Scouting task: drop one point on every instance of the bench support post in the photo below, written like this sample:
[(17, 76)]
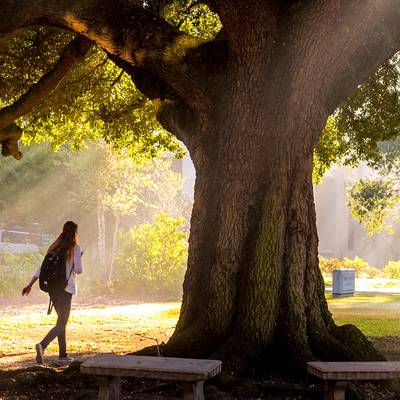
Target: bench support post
[(193, 391), (335, 390), (109, 387)]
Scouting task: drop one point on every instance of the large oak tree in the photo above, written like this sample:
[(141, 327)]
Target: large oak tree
[(250, 105)]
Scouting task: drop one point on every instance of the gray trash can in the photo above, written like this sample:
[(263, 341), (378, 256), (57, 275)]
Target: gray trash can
[(343, 282)]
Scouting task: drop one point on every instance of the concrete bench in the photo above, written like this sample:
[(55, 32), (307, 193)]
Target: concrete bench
[(337, 374), (109, 368)]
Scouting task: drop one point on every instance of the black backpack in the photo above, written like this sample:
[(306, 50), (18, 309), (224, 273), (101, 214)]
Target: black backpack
[(52, 278)]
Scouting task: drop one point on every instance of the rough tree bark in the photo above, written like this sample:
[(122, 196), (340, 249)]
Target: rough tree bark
[(249, 106)]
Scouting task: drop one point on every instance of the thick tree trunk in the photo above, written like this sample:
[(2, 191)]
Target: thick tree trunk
[(250, 106), (253, 289)]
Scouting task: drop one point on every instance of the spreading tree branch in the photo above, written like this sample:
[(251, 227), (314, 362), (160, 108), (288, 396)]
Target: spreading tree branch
[(261, 17), (350, 39), (10, 133), (175, 115), (122, 28), (73, 53), (177, 118), (301, 40)]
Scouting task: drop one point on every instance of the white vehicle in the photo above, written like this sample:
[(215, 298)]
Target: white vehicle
[(23, 238)]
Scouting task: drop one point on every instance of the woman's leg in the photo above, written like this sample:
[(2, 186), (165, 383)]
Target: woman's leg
[(62, 305), (63, 317)]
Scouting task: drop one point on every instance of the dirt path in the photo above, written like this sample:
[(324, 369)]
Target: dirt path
[(112, 327)]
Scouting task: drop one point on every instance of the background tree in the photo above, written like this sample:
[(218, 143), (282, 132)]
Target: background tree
[(152, 258), (373, 202), (121, 185), (250, 105), (356, 131), (365, 129), (31, 188), (64, 185)]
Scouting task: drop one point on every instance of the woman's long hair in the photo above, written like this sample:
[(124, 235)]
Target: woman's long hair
[(66, 241)]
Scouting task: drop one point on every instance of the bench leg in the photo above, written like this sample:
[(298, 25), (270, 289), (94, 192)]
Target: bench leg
[(335, 390), (193, 391), (109, 387)]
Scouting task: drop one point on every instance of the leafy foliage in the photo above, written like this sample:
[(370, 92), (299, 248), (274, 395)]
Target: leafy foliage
[(193, 18), (152, 258), (356, 130), (366, 128), (361, 267), (392, 270), (328, 150), (371, 115), (16, 270), (371, 202), (26, 56), (96, 99), (128, 186), (327, 265)]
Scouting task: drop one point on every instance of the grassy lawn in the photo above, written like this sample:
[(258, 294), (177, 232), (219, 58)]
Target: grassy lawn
[(122, 327), (376, 315)]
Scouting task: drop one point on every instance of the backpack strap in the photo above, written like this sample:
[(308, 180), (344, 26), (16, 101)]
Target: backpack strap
[(70, 273), (50, 307)]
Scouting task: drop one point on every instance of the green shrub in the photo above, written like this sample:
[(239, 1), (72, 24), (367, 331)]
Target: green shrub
[(16, 271), (327, 265), (151, 262), (373, 272), (361, 267), (392, 270), (358, 264)]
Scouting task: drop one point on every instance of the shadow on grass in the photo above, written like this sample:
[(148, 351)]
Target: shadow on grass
[(371, 297)]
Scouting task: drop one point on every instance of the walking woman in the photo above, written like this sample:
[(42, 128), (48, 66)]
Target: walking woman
[(66, 246)]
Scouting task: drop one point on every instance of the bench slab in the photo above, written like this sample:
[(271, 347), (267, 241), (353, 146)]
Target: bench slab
[(163, 368), (110, 367), (354, 370)]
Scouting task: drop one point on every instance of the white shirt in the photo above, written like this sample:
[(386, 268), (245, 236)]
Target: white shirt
[(75, 263)]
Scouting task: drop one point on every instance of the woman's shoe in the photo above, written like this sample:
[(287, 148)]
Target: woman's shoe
[(39, 353)]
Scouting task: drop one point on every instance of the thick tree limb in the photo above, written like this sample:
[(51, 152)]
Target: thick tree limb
[(122, 28), (10, 133), (74, 52), (179, 119), (259, 16), (146, 81), (331, 45), (337, 46), (175, 115)]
